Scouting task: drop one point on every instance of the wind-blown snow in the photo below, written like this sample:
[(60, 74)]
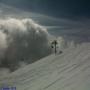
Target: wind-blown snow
[(22, 40), (67, 71)]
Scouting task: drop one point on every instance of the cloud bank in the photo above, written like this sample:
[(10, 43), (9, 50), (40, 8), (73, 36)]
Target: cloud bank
[(22, 40)]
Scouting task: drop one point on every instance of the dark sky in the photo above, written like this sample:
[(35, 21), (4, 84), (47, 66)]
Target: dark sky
[(56, 8)]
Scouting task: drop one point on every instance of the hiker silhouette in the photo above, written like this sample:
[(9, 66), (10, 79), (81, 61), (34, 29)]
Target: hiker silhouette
[(54, 45)]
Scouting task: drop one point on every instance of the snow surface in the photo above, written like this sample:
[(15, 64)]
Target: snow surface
[(67, 71)]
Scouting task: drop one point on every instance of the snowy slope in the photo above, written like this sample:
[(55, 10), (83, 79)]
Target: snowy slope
[(67, 71)]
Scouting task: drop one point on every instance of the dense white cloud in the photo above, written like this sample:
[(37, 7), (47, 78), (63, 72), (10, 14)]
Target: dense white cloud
[(3, 44), (22, 40)]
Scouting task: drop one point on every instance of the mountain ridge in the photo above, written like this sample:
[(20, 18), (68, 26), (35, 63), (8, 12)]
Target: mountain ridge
[(67, 71)]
